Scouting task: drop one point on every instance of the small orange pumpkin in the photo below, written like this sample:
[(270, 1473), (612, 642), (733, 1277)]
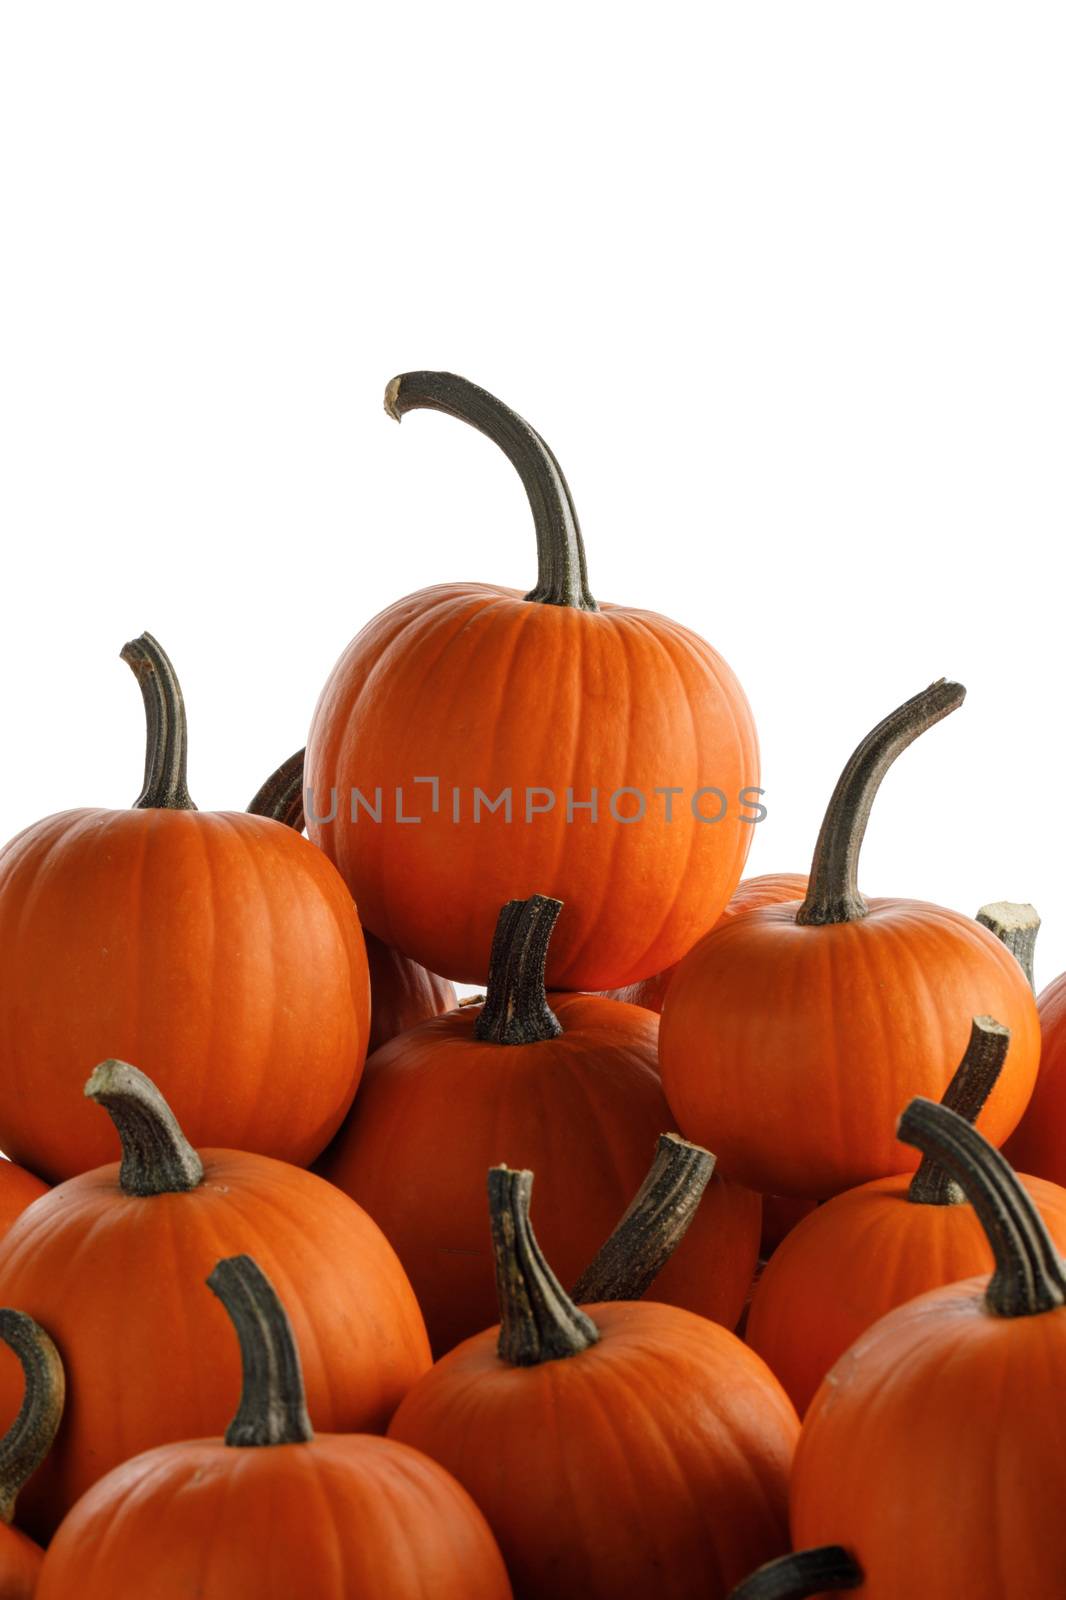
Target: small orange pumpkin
[(1038, 1144), (104, 1261), (873, 1248), (18, 1189), (25, 1445), (218, 949), (792, 1035), (569, 1083), (931, 1460), (618, 1451), (273, 1510)]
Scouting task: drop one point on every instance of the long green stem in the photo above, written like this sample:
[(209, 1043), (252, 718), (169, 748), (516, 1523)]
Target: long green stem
[(165, 783), (516, 1009), (561, 577), (833, 894), (272, 1409), (282, 795), (975, 1077), (30, 1436), (538, 1321)]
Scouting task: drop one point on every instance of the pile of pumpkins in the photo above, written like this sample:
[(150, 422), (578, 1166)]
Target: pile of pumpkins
[(317, 1333)]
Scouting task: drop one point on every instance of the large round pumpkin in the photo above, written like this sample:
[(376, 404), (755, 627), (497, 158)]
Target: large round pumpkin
[(870, 1249), (273, 1510), (402, 993), (597, 753), (931, 1459), (618, 1451), (568, 1082), (105, 1262), (26, 1444), (792, 1035), (219, 950)]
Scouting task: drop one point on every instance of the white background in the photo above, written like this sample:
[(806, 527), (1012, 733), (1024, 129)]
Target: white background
[(783, 285)]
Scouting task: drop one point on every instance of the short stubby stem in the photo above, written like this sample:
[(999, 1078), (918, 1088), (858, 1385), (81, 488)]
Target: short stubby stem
[(272, 1409), (975, 1077), (281, 797), (538, 1320), (802, 1575), (1016, 925), (516, 1009), (156, 1156)]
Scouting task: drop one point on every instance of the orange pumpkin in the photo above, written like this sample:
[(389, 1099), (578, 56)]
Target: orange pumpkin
[(873, 1248), (603, 754), (792, 1035), (18, 1189), (570, 1084), (217, 948), (1038, 1144), (932, 1455), (25, 1445), (401, 992), (82, 1258), (772, 889), (618, 1451), (273, 1510)]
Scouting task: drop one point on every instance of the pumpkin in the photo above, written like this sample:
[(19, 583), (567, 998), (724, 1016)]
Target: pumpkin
[(618, 1451), (273, 1510), (18, 1189), (401, 992), (218, 949), (602, 754), (25, 1445), (105, 1261), (774, 888), (872, 1248), (570, 1084), (932, 1454), (792, 1035), (1038, 1144)]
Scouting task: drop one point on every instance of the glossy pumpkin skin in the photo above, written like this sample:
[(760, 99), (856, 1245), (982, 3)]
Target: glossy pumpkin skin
[(402, 994), (655, 1462), (1038, 1144), (81, 1259), (583, 1111), (857, 1258), (473, 684), (933, 1453), (218, 950), (339, 1518), (790, 1050), (773, 888), (20, 1565), (18, 1189)]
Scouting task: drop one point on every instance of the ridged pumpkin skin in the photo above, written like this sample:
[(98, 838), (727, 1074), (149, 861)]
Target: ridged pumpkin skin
[(108, 1274), (773, 888), (18, 1189), (20, 1565), (218, 950), (654, 1463), (437, 1107), (402, 994), (340, 1518), (933, 1453), (857, 1258), (790, 1050), (1038, 1144), (482, 689)]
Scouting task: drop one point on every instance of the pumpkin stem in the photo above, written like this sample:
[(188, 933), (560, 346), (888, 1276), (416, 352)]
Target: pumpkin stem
[(804, 1574), (1016, 926), (833, 893), (538, 1322), (165, 783), (281, 797), (273, 1409), (156, 1156), (516, 1009), (975, 1078), (561, 576), (652, 1228), (29, 1438), (1030, 1275)]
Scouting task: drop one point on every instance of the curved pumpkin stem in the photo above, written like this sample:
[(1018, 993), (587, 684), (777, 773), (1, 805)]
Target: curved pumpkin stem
[(561, 576), (802, 1575), (281, 797), (273, 1409), (538, 1322), (166, 754), (975, 1077), (156, 1156), (1030, 1275), (516, 1009), (833, 894), (30, 1436), (653, 1226), (1016, 925)]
